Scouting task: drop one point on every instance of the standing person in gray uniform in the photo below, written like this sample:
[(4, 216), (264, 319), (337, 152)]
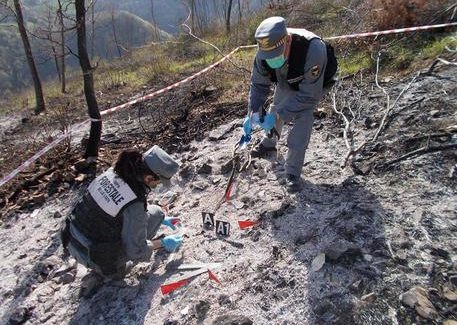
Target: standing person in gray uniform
[(296, 62), (112, 223)]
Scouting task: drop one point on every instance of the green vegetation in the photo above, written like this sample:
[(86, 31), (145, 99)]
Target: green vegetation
[(438, 46), (354, 63)]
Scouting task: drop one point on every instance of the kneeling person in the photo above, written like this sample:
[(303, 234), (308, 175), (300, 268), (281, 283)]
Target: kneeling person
[(112, 223)]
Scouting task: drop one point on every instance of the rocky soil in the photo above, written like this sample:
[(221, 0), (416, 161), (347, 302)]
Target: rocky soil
[(373, 243)]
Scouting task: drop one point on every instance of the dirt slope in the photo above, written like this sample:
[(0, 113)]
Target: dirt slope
[(382, 230)]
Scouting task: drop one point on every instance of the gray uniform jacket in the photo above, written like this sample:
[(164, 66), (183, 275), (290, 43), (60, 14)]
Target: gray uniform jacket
[(138, 227), (286, 101)]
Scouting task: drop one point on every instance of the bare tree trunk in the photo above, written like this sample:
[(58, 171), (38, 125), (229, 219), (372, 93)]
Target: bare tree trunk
[(62, 48), (40, 105), (192, 13), (227, 20), (239, 11), (156, 34), (92, 106), (92, 32), (114, 33)]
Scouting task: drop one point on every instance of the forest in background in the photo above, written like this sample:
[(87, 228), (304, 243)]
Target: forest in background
[(117, 28)]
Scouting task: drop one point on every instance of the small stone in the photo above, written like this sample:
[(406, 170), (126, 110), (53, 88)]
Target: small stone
[(227, 167), (185, 311), (453, 280), (199, 185), (57, 215), (20, 315), (426, 312), (449, 295), (370, 298), (186, 171), (205, 169), (453, 172), (201, 309), (168, 198), (367, 257), (221, 132), (260, 172), (336, 251), (434, 113), (318, 262), (238, 205), (224, 300), (81, 178), (231, 320), (67, 278), (417, 298), (440, 252), (356, 286), (450, 322)]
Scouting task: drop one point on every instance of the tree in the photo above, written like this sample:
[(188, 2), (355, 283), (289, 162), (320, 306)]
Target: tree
[(16, 10), (227, 19), (93, 144), (62, 46)]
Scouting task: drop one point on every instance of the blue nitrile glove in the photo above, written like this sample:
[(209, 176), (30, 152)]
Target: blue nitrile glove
[(247, 126), (170, 222), (249, 122), (269, 122), (171, 242)]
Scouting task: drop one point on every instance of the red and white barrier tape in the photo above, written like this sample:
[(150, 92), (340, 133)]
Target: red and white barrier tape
[(61, 137), (392, 31)]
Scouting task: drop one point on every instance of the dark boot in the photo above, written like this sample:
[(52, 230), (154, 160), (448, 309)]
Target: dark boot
[(293, 183), (262, 151), (90, 284)]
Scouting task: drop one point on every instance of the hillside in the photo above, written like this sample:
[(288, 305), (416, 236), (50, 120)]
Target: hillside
[(133, 31)]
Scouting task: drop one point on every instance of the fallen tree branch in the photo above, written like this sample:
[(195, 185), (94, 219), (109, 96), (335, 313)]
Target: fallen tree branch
[(346, 130), (419, 152), (439, 60), (389, 107)]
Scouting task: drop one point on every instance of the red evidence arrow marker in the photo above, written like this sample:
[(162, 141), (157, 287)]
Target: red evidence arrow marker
[(213, 277), (167, 288), (247, 223), (228, 192)]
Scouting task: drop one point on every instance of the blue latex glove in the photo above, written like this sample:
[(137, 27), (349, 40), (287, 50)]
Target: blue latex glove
[(170, 222), (249, 122), (171, 242), (269, 122)]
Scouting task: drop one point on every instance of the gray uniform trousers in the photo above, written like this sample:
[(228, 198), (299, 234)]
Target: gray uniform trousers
[(297, 140)]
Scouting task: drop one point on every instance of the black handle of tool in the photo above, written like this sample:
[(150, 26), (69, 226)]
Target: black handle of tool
[(262, 114)]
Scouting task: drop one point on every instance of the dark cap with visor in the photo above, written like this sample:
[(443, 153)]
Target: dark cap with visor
[(161, 164), (271, 36)]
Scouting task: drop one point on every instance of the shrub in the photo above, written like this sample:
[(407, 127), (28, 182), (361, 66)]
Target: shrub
[(386, 14)]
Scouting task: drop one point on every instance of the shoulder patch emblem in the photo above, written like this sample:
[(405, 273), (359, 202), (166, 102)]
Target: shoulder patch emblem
[(315, 71)]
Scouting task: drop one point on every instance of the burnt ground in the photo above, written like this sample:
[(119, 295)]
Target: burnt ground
[(171, 121), (371, 243)]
